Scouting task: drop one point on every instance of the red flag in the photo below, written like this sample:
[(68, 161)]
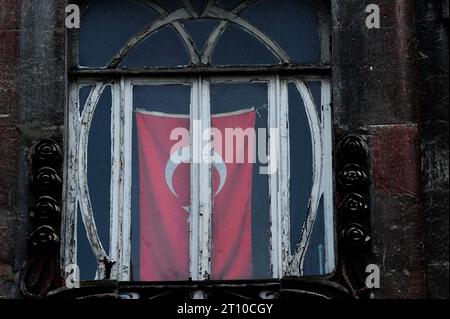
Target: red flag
[(164, 228), (165, 197), (231, 216)]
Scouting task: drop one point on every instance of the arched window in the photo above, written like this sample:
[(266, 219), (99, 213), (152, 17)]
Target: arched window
[(248, 193)]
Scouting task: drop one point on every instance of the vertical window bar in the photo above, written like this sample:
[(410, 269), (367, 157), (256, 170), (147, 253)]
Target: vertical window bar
[(127, 140), (195, 184), (200, 240), (69, 224), (275, 241), (116, 181), (327, 183), (284, 173), (205, 180)]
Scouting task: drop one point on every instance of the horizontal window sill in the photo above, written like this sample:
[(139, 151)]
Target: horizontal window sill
[(297, 288), (282, 69)]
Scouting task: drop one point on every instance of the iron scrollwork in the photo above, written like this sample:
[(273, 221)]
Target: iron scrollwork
[(353, 223), (41, 273)]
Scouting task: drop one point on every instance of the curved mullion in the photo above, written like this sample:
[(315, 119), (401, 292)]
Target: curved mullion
[(190, 8), (195, 57), (187, 39), (84, 197), (212, 41), (244, 5), (297, 262), (218, 31), (209, 5), (178, 15), (231, 17), (69, 224)]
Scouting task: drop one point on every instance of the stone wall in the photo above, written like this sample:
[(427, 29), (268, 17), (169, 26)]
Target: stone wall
[(32, 99), (432, 30)]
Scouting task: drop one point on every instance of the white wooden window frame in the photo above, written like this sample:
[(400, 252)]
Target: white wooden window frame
[(115, 264), (285, 260)]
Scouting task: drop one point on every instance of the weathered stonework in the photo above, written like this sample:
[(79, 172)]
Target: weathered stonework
[(375, 93), (32, 97), (432, 32), (390, 85)]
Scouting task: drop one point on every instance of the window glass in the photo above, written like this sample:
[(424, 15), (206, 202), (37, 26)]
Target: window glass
[(238, 47), (170, 5), (229, 4), (315, 255), (199, 5), (99, 180), (200, 30), (315, 88), (301, 168), (107, 26), (293, 24), (290, 24), (164, 48)]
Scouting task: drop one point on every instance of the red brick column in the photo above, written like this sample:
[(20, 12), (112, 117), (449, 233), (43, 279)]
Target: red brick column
[(397, 213)]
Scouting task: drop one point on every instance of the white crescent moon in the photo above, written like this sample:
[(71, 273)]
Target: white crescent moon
[(219, 164), (183, 155)]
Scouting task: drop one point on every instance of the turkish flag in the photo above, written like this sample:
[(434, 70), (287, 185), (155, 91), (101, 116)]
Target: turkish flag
[(164, 196)]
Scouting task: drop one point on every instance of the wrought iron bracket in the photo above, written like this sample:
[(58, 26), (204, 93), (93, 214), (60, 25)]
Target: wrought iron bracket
[(41, 273), (352, 197)]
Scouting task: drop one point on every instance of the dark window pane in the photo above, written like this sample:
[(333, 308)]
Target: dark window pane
[(84, 94), (199, 5), (229, 4), (200, 30), (315, 256), (85, 256), (99, 182), (301, 181), (237, 46), (241, 208), (316, 90), (301, 162), (170, 99), (107, 26), (164, 48), (293, 24), (170, 5)]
